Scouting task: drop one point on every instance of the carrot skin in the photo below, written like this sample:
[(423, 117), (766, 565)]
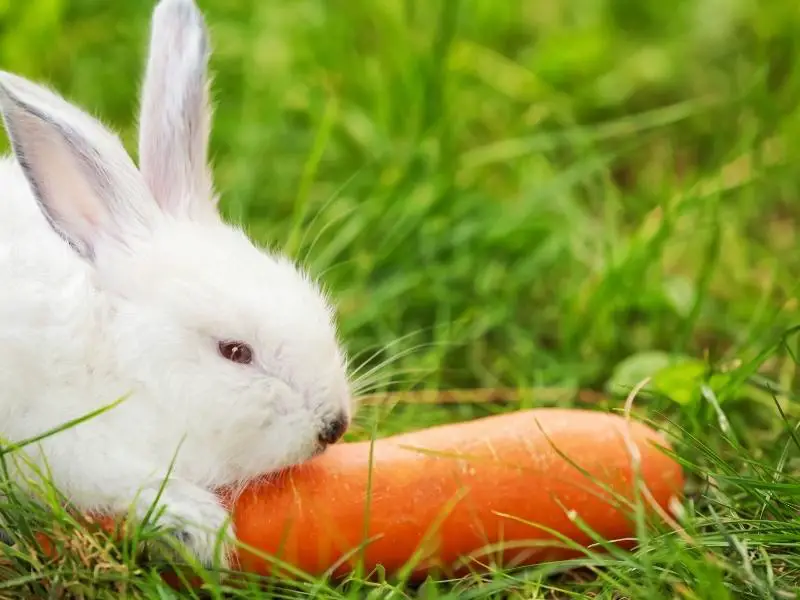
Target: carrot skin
[(441, 493)]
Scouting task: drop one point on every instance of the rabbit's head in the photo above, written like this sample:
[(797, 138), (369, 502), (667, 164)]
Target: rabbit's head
[(235, 346)]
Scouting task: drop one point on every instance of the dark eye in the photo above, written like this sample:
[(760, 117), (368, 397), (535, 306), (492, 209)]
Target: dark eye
[(237, 352)]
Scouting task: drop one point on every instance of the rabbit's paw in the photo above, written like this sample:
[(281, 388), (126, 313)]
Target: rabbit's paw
[(199, 522)]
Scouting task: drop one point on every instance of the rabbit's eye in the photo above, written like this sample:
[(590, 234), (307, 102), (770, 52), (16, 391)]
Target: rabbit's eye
[(238, 352)]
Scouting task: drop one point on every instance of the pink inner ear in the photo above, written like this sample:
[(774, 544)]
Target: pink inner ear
[(78, 169), (64, 190)]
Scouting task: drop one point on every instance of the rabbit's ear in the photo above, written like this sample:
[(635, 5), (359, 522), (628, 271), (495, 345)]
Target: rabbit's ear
[(81, 175), (175, 119)]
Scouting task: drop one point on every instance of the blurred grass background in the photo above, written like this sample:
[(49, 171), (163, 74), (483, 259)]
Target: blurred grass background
[(526, 193), (502, 194)]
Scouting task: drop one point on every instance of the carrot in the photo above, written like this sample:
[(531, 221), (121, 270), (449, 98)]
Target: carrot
[(443, 493), (440, 495)]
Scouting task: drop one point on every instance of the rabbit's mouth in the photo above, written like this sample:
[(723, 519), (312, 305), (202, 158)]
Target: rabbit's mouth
[(318, 450)]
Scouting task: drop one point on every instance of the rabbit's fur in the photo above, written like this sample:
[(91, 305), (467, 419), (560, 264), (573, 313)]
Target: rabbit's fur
[(121, 282)]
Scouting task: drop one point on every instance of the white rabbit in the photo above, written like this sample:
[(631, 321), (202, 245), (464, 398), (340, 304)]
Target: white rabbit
[(125, 282)]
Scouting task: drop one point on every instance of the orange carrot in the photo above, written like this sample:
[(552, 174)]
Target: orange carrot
[(445, 492)]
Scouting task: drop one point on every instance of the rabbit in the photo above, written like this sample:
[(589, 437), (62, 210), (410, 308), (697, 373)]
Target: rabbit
[(123, 287)]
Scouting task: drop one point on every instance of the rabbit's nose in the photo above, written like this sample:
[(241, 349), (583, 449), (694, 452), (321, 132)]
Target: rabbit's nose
[(333, 430)]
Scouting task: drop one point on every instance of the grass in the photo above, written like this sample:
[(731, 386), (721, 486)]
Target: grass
[(553, 198)]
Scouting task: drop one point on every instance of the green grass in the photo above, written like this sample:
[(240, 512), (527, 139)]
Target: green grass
[(550, 197)]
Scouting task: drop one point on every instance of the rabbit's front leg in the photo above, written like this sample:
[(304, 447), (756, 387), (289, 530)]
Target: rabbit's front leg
[(197, 517), (96, 475)]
